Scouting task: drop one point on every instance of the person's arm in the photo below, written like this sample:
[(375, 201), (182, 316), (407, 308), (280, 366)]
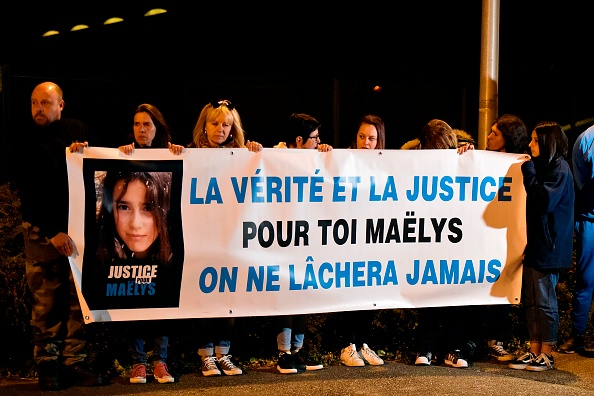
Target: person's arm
[(175, 148), (63, 243), (253, 146), (127, 149), (78, 147)]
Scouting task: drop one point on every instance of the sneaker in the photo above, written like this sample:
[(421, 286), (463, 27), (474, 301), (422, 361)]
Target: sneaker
[(497, 351), (138, 374), (228, 367), (209, 366), (304, 361), (542, 363), (523, 361), (424, 359), (350, 357), (286, 364), (161, 374), (369, 356), (572, 345), (455, 359)]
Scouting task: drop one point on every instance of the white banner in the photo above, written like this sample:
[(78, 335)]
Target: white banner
[(287, 231)]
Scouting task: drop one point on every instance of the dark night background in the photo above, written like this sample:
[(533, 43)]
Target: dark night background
[(272, 59)]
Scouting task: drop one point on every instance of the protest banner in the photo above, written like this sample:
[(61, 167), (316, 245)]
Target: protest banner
[(286, 231)]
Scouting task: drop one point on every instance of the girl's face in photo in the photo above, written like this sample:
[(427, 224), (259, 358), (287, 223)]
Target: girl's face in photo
[(134, 221), (534, 145), (495, 140), (144, 129), (367, 137), (217, 130)]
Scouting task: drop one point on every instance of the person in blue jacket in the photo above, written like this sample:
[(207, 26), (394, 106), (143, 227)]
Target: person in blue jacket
[(549, 226), (583, 173)]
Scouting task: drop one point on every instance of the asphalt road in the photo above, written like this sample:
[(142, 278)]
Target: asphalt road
[(574, 375)]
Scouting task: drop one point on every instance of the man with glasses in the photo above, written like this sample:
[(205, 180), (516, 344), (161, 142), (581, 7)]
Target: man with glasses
[(302, 131)]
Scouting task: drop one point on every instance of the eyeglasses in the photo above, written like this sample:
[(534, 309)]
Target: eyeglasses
[(317, 137), (220, 103)]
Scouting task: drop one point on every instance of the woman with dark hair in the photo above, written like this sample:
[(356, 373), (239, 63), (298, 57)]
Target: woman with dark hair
[(508, 135), (150, 131), (549, 223)]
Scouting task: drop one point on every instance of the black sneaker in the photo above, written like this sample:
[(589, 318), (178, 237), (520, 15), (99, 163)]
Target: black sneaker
[(48, 373), (305, 361), (542, 363), (523, 361), (573, 345), (79, 374), (286, 364)]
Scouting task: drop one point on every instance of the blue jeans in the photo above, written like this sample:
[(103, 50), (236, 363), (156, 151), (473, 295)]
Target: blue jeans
[(584, 275), (139, 331), (211, 329), (540, 303), (159, 350), (291, 331)]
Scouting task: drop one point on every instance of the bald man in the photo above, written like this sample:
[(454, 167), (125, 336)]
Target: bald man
[(42, 181)]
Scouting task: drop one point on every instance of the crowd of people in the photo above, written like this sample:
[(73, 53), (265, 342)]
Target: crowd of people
[(131, 228)]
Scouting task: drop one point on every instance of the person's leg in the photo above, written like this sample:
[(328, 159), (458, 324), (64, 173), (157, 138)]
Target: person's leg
[(497, 326), (54, 302), (453, 319), (284, 326), (360, 323), (160, 348), (584, 286), (137, 354), (225, 331), (428, 324), (206, 345), (529, 292), (75, 341), (300, 323), (136, 332), (44, 323), (547, 317)]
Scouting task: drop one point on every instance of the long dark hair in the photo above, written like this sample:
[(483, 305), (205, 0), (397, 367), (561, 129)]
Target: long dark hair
[(514, 132), (158, 190), (163, 133), (552, 141)]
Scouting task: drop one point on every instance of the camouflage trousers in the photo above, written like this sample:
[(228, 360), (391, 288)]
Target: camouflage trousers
[(56, 317)]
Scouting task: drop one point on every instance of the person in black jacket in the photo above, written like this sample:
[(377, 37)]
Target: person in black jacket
[(42, 184), (549, 220)]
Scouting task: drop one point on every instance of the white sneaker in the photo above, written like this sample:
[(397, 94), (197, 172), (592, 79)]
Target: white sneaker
[(424, 360), (370, 357), (350, 357)]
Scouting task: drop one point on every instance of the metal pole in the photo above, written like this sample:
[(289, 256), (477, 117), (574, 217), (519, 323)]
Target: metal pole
[(489, 69)]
